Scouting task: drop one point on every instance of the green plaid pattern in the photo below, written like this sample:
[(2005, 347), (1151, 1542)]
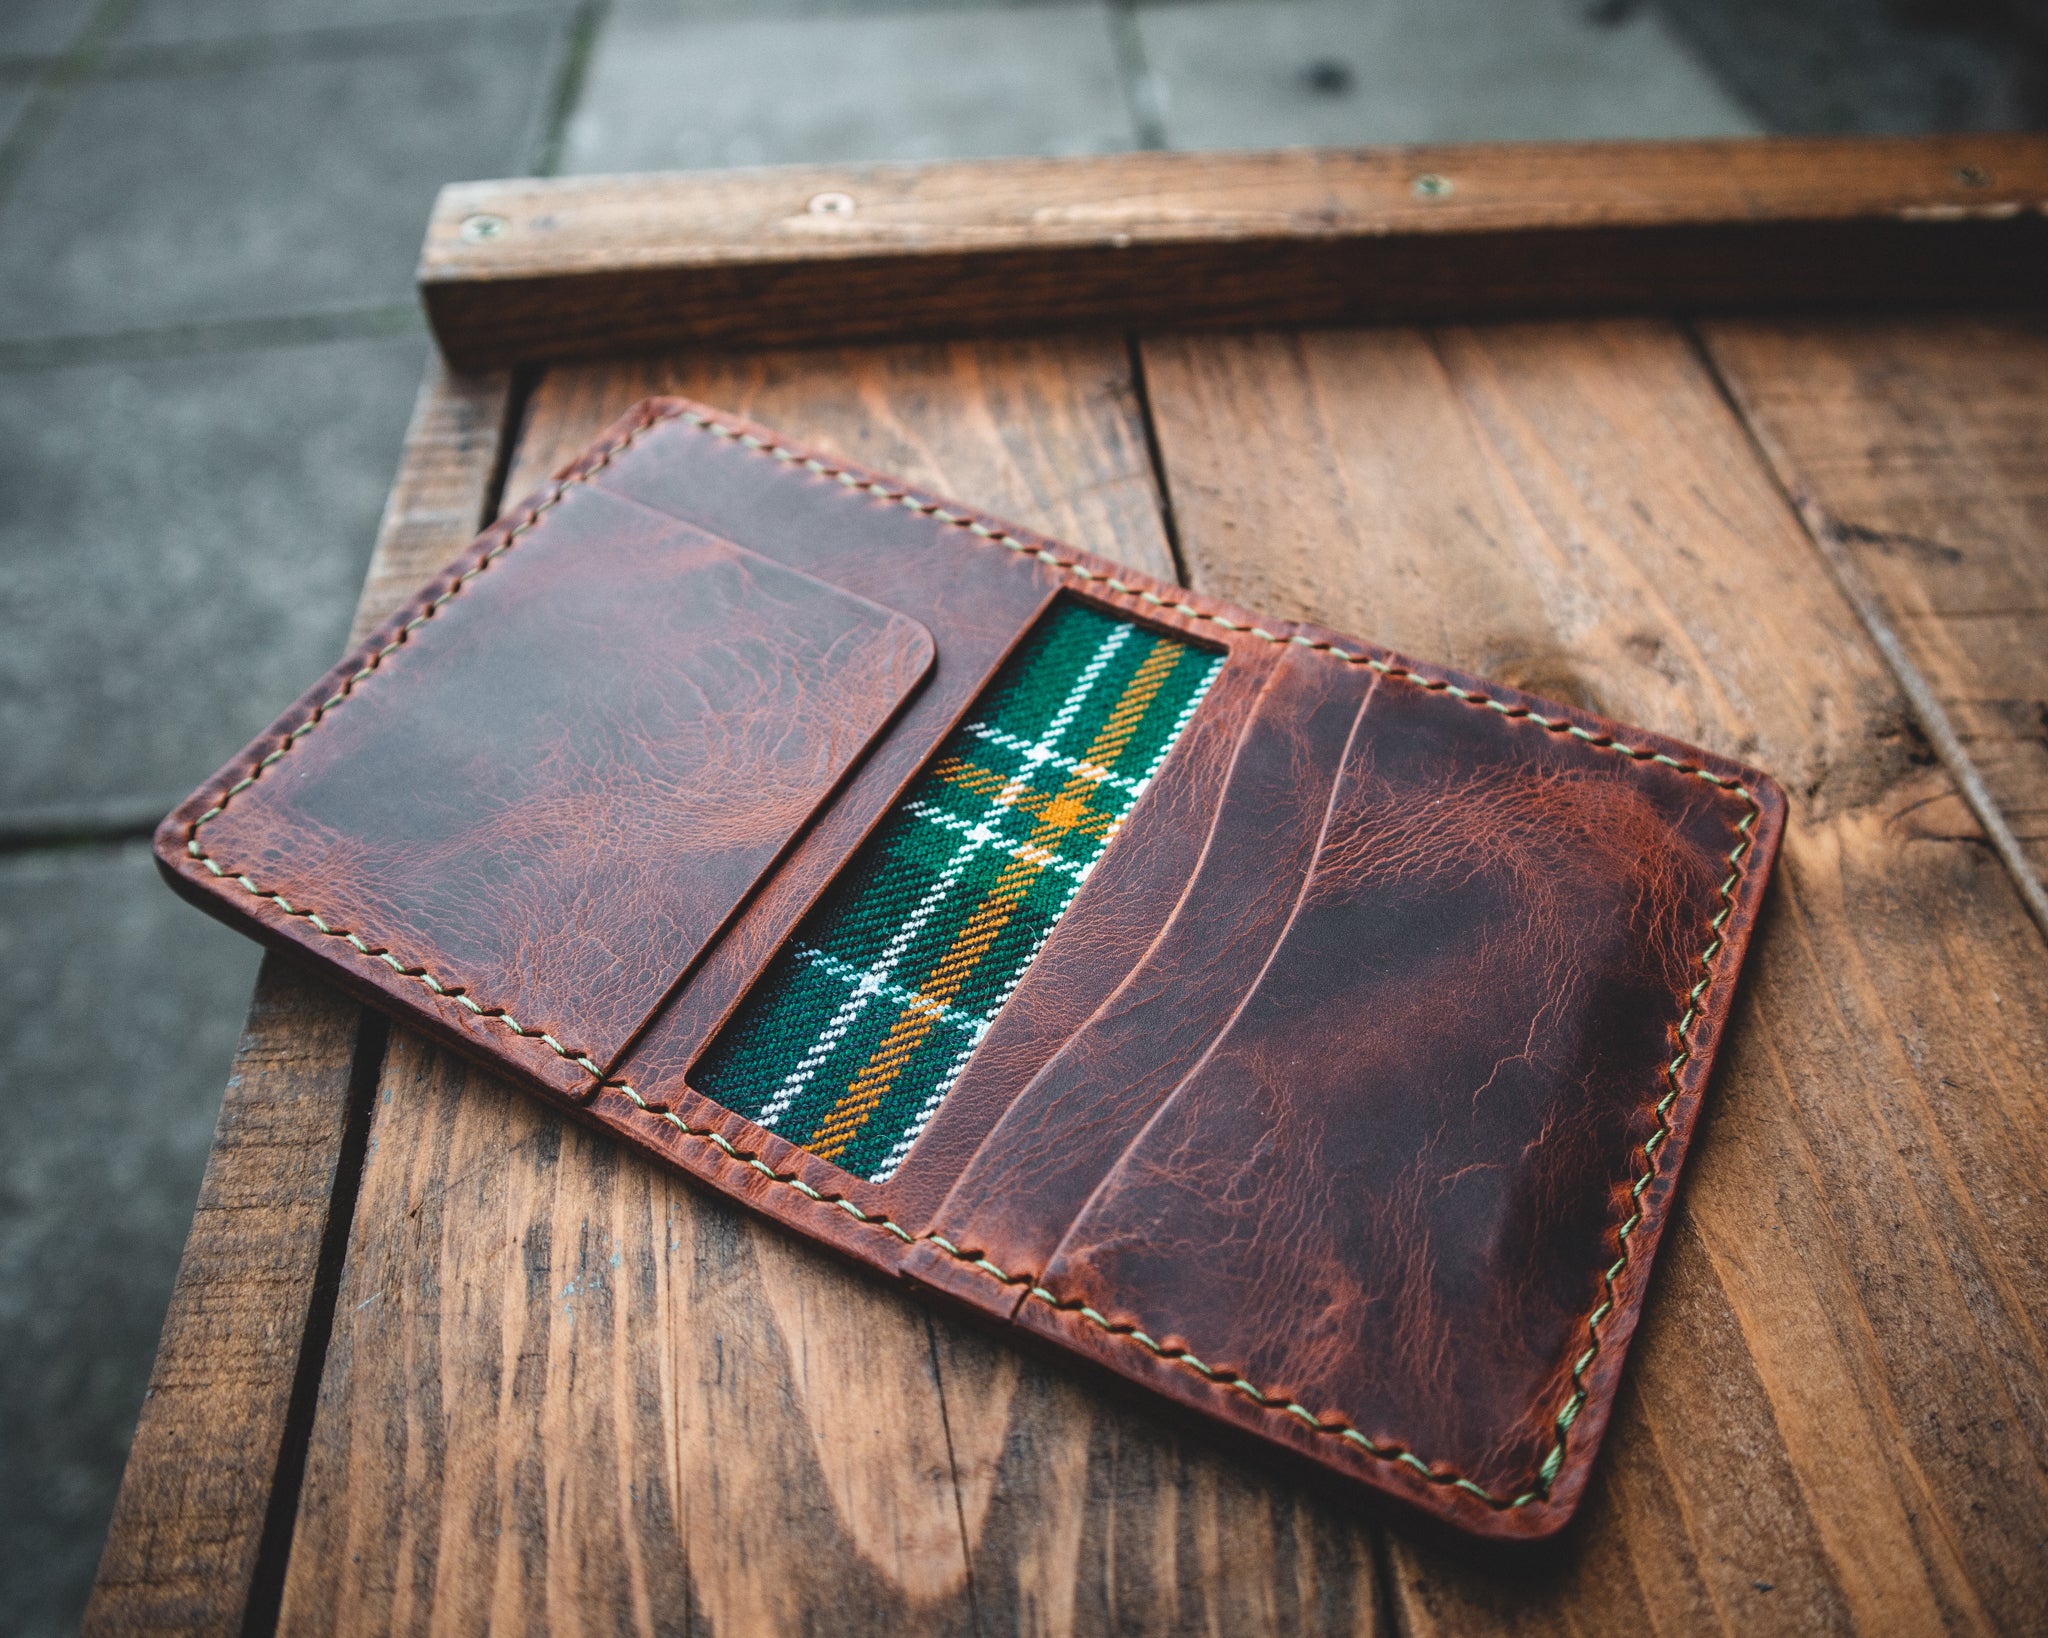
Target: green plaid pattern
[(864, 1020)]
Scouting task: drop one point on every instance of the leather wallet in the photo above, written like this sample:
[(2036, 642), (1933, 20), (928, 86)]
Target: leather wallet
[(1306, 1034)]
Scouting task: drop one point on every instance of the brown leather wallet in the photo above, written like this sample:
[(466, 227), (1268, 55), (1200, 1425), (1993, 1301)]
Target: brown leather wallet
[(1357, 1012)]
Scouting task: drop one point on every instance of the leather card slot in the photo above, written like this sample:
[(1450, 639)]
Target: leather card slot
[(857, 1030), (979, 602), (1130, 896), (1389, 1190), (1052, 1146), (554, 794)]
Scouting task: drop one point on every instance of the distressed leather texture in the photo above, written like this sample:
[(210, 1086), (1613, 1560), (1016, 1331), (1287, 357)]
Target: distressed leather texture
[(1343, 1109)]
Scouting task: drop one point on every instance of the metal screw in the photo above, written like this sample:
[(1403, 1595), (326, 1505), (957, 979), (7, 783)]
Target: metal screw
[(1431, 186), (476, 229), (1971, 177), (830, 204)]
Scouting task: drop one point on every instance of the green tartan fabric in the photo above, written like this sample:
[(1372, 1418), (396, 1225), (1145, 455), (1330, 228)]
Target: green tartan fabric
[(864, 1020)]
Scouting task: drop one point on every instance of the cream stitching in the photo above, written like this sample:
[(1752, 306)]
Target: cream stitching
[(1548, 1469), (456, 993)]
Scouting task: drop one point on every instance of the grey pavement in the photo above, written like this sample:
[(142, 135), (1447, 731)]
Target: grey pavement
[(168, 22), (216, 511), (14, 98), (1838, 66), (209, 347), (668, 93), (1254, 74), (122, 1010), (42, 27), (209, 214), (284, 179)]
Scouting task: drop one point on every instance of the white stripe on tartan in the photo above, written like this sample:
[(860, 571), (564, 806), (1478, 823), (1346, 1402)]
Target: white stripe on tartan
[(1021, 850), (1066, 764), (870, 982), (918, 1122), (847, 973)]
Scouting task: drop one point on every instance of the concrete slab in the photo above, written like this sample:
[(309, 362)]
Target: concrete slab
[(121, 1007), (665, 94), (1277, 73), (15, 90), (1840, 66), (180, 547), (42, 28), (235, 190), (678, 10), (158, 22)]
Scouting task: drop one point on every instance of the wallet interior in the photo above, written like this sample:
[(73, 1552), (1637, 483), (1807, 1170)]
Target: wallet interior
[(1304, 1032)]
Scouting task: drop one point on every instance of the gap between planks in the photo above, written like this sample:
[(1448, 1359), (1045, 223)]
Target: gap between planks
[(195, 1541), (1824, 530)]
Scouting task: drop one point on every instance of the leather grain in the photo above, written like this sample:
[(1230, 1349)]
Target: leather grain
[(1061, 1135), (553, 803), (1387, 1188), (1343, 1109)]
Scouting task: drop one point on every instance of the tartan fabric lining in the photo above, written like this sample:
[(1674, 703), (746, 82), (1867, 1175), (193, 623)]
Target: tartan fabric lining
[(863, 1021)]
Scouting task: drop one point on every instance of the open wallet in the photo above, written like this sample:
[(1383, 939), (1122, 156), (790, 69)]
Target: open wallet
[(1306, 1034)]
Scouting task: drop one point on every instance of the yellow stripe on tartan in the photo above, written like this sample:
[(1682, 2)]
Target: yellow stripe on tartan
[(1004, 792), (1067, 812)]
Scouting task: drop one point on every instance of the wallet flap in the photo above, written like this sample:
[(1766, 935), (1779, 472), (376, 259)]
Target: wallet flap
[(554, 794)]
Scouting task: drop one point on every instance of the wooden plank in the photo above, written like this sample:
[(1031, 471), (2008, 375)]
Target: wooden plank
[(188, 1525), (566, 1387), (214, 1450), (447, 486), (1918, 454), (1047, 431), (1837, 1413), (581, 266)]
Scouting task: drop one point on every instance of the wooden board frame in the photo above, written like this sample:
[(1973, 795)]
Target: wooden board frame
[(576, 267), (1881, 1074)]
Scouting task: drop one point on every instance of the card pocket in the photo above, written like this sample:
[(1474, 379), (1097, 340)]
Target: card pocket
[(856, 1032), (544, 803), (1391, 1191), (1065, 1130)]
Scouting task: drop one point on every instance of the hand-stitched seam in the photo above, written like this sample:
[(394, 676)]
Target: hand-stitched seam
[(1332, 1426), (456, 993), (1575, 1401)]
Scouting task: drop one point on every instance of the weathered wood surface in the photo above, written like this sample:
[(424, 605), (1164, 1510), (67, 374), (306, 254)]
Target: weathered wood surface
[(565, 1390), (569, 1391), (187, 1546), (1918, 451), (1837, 1413), (447, 486), (570, 267), (188, 1528)]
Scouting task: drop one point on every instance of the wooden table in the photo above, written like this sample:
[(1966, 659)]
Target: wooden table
[(439, 1359)]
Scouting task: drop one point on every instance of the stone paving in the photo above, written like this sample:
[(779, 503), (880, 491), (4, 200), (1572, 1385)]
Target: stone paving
[(209, 214)]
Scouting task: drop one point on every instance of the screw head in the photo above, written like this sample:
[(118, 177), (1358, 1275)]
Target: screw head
[(1431, 186), (1973, 176), (830, 204), (476, 229)]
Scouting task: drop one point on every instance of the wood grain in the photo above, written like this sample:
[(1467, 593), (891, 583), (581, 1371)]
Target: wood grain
[(1918, 453), (181, 1552), (1837, 1413), (576, 267), (1047, 431), (447, 483), (568, 1390), (183, 1548)]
